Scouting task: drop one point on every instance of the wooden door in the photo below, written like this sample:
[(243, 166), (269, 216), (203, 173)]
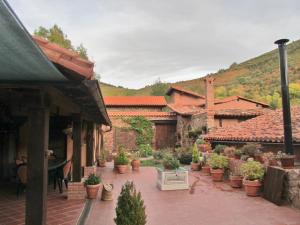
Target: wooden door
[(165, 135)]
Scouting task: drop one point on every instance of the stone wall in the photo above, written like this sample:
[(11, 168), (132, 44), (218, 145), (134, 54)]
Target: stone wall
[(292, 187)]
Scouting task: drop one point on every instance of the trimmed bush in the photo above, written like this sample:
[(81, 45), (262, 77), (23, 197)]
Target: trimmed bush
[(252, 170), (130, 208), (218, 161), (122, 158)]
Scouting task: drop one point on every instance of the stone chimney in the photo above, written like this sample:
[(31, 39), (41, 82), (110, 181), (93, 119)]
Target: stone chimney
[(209, 102)]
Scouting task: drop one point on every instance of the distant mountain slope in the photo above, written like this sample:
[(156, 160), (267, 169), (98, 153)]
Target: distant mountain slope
[(257, 78)]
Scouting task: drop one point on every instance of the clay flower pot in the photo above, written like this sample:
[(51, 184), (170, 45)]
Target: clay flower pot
[(287, 162), (259, 158), (122, 168), (135, 164), (206, 170), (92, 191), (252, 187), (217, 174), (195, 166), (102, 163), (236, 181)]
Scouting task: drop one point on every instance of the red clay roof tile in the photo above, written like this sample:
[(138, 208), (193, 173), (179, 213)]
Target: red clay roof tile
[(264, 128), (141, 113), (177, 88), (65, 57), (135, 101)]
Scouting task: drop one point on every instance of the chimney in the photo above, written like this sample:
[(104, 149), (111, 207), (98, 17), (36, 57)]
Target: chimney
[(209, 102)]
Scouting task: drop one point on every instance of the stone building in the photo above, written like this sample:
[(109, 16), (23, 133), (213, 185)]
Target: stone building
[(151, 107), (197, 114)]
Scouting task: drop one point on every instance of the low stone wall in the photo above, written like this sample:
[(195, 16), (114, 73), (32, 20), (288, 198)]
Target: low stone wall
[(292, 187)]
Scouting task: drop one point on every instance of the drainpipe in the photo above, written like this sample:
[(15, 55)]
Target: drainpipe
[(288, 138)]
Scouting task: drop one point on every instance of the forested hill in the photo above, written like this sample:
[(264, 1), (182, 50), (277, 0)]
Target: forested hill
[(257, 79)]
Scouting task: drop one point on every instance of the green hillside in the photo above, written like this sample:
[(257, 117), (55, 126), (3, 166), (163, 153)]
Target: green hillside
[(257, 78)]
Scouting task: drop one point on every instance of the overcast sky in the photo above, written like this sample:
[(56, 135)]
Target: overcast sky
[(135, 42)]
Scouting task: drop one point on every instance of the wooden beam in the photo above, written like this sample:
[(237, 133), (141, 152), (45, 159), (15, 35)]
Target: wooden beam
[(90, 144), (77, 170), (37, 166)]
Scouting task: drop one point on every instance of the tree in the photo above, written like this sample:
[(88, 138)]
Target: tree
[(159, 88), (130, 208), (56, 35)]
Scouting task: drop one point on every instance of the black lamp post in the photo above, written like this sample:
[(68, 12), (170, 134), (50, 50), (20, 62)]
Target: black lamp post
[(288, 138)]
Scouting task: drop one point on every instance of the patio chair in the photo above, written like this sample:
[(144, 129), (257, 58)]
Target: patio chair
[(63, 175), (21, 178)]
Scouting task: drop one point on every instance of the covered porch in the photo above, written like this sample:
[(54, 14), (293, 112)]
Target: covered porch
[(51, 113)]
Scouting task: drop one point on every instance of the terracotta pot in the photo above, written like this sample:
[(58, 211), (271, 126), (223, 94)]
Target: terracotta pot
[(273, 162), (122, 168), (217, 174), (92, 191), (195, 166), (252, 187), (236, 181), (288, 162), (135, 164), (206, 170)]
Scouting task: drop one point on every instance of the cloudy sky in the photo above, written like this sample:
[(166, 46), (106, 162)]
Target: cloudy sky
[(135, 42)]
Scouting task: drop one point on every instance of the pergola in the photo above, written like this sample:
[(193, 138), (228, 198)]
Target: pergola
[(34, 89)]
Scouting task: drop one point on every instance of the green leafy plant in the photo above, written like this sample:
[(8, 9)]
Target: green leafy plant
[(184, 155), (219, 149), (130, 208), (238, 152), (218, 161), (158, 155), (135, 155), (250, 149), (252, 170), (195, 154), (145, 150), (122, 159), (92, 179), (200, 141), (229, 151), (170, 162)]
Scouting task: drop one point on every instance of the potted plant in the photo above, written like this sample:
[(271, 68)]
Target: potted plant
[(122, 162), (236, 178), (206, 167), (229, 152), (253, 173), (130, 208), (170, 162), (251, 149), (287, 161), (195, 164), (269, 159), (135, 162), (219, 149), (217, 163), (237, 153), (92, 184)]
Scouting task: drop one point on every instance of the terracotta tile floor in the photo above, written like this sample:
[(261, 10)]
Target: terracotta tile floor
[(208, 203), (60, 210)]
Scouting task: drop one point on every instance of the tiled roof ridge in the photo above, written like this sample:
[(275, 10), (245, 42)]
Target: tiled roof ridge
[(141, 113), (235, 97), (65, 57), (178, 88), (135, 101)]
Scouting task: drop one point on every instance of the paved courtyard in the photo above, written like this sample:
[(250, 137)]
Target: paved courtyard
[(206, 203)]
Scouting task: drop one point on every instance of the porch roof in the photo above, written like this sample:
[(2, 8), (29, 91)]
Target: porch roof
[(23, 62)]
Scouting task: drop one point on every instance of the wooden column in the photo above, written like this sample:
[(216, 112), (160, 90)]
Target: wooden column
[(77, 170), (37, 166), (90, 144)]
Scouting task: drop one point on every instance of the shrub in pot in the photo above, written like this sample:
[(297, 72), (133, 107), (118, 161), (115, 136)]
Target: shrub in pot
[(184, 155), (219, 149), (236, 178), (253, 173), (269, 159), (229, 152), (135, 162), (145, 150), (206, 167), (287, 161), (195, 164), (102, 158), (217, 164), (237, 153), (122, 162), (92, 184), (130, 208), (251, 149), (170, 162)]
